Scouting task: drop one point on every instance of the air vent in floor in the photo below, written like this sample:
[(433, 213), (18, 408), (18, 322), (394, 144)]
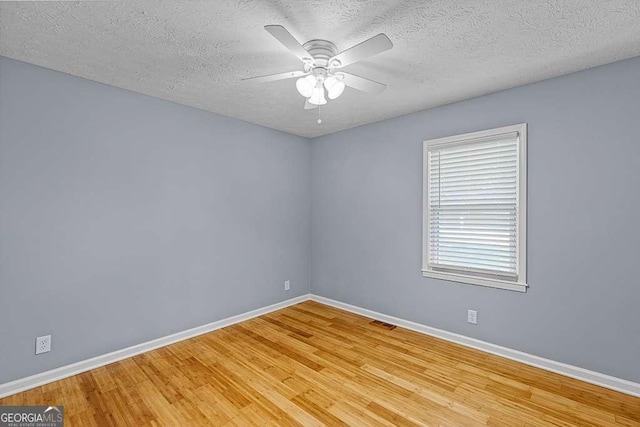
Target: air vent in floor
[(385, 325)]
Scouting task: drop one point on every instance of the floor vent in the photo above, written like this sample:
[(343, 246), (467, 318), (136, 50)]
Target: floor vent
[(385, 325)]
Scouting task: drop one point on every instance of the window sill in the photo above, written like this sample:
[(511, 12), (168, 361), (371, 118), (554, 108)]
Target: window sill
[(480, 281)]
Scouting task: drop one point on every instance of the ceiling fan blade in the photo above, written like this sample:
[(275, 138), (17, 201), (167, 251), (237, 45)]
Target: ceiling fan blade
[(309, 106), (279, 76), (285, 37), (362, 84), (367, 48)]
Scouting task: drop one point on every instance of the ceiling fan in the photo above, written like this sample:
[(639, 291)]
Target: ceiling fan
[(322, 64)]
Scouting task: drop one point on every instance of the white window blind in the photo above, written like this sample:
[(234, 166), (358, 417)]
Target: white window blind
[(473, 206)]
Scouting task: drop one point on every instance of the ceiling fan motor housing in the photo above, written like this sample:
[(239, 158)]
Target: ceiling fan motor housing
[(322, 51)]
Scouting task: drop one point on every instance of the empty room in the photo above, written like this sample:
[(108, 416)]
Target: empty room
[(307, 213)]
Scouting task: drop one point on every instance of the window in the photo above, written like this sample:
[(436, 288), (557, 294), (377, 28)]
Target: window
[(475, 208)]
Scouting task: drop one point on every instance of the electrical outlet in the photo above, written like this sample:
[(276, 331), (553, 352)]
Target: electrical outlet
[(287, 285), (43, 344), (472, 317)]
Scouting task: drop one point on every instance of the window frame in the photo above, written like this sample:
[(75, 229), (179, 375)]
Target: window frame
[(521, 229)]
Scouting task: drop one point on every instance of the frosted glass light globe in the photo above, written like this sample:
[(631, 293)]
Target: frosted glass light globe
[(335, 86), (317, 97), (305, 85)]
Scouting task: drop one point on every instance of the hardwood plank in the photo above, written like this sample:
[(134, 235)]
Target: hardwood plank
[(311, 364)]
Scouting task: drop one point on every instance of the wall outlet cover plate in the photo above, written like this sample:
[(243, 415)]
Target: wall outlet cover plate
[(472, 317), (43, 344)]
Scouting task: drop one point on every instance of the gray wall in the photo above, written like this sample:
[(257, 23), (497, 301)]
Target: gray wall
[(124, 218), (583, 233)]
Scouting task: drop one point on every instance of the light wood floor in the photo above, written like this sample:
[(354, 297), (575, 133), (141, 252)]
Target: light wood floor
[(311, 364)]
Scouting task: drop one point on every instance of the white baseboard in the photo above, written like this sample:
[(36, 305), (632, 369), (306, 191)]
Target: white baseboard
[(592, 377), (613, 383), (42, 378)]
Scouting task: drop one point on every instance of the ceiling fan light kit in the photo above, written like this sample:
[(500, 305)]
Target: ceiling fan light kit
[(334, 85), (305, 85), (318, 96), (321, 60)]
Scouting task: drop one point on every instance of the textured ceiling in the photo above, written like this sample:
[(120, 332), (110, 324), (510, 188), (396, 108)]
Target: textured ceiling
[(195, 52)]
